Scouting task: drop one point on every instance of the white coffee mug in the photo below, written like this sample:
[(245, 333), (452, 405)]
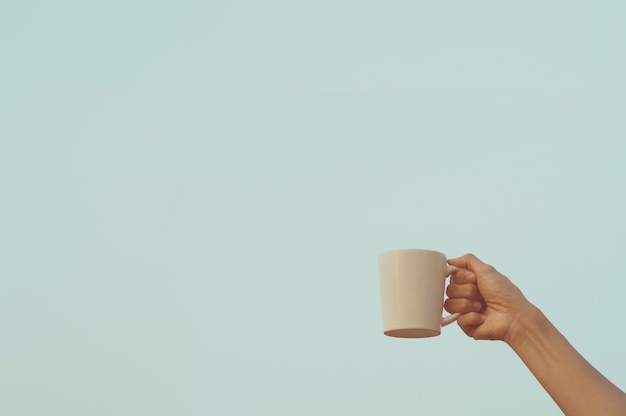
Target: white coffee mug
[(412, 284)]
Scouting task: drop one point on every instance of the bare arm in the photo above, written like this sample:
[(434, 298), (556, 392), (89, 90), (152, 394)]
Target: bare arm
[(576, 386), (505, 314)]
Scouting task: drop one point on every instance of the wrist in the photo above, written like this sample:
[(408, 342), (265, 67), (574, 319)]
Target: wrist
[(528, 321)]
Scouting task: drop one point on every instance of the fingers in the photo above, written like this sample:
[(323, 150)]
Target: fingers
[(463, 276), (469, 323), (471, 319), (462, 305), (469, 291), (463, 298), (470, 262)]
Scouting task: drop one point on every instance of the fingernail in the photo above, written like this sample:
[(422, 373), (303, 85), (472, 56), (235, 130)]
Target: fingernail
[(478, 306)]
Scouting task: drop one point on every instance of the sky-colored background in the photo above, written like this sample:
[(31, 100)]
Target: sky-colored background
[(193, 196)]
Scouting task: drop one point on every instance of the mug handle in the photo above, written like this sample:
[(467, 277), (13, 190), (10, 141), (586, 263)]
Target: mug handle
[(446, 320)]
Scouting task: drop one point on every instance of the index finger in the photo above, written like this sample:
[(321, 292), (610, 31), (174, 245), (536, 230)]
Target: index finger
[(470, 262)]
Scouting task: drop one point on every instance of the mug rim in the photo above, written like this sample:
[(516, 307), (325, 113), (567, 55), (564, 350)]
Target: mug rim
[(413, 250)]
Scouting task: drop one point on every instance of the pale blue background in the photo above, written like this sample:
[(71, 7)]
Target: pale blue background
[(194, 195)]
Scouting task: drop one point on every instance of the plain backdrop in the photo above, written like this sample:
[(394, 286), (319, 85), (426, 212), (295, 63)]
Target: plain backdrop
[(193, 196)]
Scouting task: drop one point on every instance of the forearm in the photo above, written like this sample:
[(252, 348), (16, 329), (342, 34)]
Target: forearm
[(576, 386)]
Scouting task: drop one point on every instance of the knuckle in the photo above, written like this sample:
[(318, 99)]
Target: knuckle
[(473, 259), (450, 290)]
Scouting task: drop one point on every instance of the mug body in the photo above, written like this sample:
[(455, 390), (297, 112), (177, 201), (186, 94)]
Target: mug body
[(412, 285)]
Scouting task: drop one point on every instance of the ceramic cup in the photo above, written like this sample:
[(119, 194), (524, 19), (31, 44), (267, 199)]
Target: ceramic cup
[(412, 284)]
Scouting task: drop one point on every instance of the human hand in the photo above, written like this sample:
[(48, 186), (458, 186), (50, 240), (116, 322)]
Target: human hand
[(491, 306)]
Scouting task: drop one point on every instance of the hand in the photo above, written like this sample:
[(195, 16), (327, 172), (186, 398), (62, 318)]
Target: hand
[(492, 307)]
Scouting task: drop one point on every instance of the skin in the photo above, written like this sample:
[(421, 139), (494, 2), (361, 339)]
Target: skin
[(493, 308)]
